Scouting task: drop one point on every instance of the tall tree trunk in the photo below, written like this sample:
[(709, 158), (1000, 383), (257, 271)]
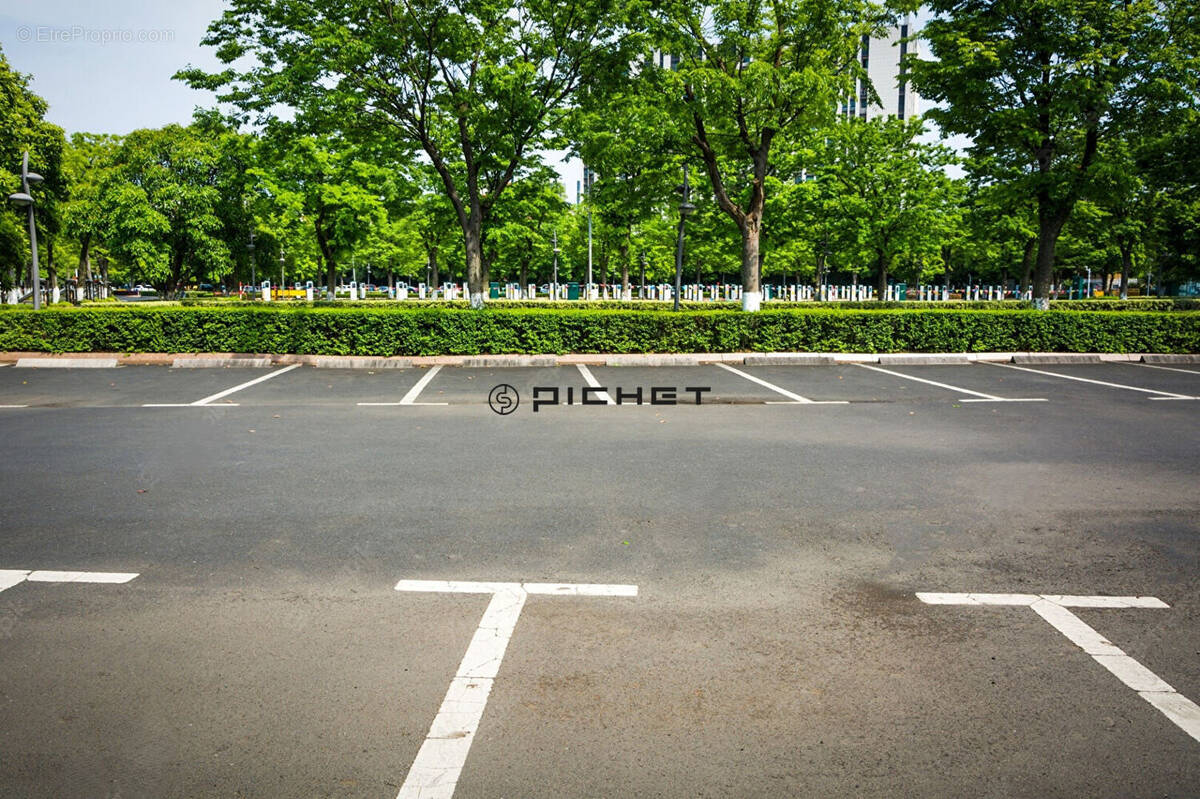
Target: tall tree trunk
[(751, 286), (881, 266), (476, 268), (1126, 269), (176, 272), (435, 279), (84, 272), (51, 267), (326, 255), (1027, 263), (1051, 218), (623, 252), (525, 278)]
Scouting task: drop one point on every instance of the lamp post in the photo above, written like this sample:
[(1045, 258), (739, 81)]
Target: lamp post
[(554, 282), (642, 290), (253, 270), (24, 198), (587, 188), (282, 263), (686, 209)]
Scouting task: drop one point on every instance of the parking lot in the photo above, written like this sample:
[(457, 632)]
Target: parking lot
[(332, 582)]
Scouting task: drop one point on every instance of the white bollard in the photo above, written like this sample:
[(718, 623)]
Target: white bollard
[(420, 291)]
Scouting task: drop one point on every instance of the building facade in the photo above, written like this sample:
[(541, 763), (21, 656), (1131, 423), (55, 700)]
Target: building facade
[(882, 58)]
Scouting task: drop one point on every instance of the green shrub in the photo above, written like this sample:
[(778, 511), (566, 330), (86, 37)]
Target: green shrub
[(364, 330)]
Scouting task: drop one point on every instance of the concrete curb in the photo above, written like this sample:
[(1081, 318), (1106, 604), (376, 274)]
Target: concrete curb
[(216, 363), (788, 359), (226, 360), (1055, 357), (66, 363), (1171, 358), (922, 358)]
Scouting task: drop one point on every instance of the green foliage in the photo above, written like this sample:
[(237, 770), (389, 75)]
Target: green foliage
[(478, 86), (887, 194), (165, 203), (428, 331), (754, 78), (23, 128), (1041, 87)]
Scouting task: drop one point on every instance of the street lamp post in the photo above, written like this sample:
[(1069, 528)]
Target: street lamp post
[(24, 198), (587, 188), (282, 264), (253, 270), (554, 282), (686, 209), (642, 290)]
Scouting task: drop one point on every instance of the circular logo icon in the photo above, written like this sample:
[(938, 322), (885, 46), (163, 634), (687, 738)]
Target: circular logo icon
[(504, 399)]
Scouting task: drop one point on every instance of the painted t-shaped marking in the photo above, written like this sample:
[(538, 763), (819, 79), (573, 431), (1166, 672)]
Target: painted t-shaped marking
[(435, 772), (1182, 711)]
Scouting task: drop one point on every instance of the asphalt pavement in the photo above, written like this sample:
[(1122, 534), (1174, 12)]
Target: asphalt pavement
[(756, 632)]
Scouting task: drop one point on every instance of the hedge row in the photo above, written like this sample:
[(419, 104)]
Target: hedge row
[(1148, 304), (423, 331)]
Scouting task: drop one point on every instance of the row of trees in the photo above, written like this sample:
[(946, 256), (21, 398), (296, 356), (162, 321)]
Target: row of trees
[(412, 137)]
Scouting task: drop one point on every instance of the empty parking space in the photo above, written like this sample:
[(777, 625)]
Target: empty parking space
[(339, 387), (126, 386), (724, 387), (1116, 380), (472, 386)]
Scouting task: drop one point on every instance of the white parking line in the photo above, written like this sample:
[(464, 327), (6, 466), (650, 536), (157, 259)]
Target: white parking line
[(220, 394), (982, 397), (796, 399), (411, 397), (14, 406), (1181, 711), (11, 577), (1164, 395), (1164, 368), (594, 383), (440, 760)]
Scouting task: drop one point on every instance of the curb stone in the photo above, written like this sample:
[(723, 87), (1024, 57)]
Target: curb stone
[(262, 361), (1171, 358), (1056, 357), (66, 363)]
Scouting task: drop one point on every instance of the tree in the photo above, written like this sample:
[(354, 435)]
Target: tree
[(477, 85), (752, 76), (161, 203), (889, 191), (87, 160), (526, 220), (23, 128), (1040, 85), (321, 190), (623, 134)]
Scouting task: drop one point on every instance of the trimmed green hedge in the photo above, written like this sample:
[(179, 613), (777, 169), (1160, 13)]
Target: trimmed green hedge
[(1148, 304), (426, 331)]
